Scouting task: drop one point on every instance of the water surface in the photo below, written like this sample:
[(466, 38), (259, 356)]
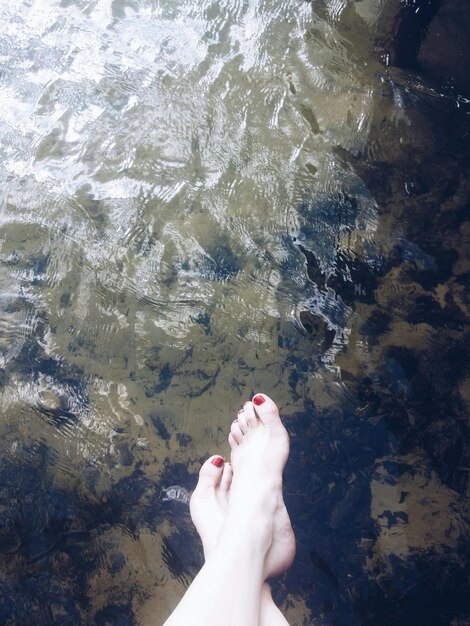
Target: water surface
[(206, 199)]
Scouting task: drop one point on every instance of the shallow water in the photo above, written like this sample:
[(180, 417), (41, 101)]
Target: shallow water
[(202, 200)]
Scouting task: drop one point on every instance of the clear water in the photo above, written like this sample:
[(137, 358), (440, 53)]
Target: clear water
[(205, 199)]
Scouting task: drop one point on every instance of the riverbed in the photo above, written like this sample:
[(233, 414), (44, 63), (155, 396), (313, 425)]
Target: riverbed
[(202, 200)]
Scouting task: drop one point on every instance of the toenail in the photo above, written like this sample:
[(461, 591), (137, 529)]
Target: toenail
[(258, 400), (245, 403), (234, 421), (217, 461)]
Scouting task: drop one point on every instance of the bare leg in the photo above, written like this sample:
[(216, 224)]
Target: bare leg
[(269, 614), (209, 507), (229, 587)]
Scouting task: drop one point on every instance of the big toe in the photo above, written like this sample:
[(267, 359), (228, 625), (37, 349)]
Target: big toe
[(266, 409), (210, 474)]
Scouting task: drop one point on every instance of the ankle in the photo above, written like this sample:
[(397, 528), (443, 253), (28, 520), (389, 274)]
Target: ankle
[(266, 593), (250, 536)]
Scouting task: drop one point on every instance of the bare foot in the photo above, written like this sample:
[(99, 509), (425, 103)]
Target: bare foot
[(209, 501), (260, 447)]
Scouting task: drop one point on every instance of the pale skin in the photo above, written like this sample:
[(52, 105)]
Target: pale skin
[(242, 520)]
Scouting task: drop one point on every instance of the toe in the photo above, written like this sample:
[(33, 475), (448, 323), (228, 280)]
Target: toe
[(241, 418), (266, 410), (236, 432), (250, 415), (211, 473), (226, 479)]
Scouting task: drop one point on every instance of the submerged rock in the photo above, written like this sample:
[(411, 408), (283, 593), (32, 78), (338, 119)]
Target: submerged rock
[(175, 493)]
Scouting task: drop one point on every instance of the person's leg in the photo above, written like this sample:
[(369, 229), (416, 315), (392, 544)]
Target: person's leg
[(229, 587), (269, 614), (209, 507)]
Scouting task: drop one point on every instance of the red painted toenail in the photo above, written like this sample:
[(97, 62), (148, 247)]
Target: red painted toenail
[(217, 461), (258, 400)]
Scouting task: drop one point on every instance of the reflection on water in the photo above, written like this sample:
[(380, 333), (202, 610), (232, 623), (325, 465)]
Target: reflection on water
[(206, 199)]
